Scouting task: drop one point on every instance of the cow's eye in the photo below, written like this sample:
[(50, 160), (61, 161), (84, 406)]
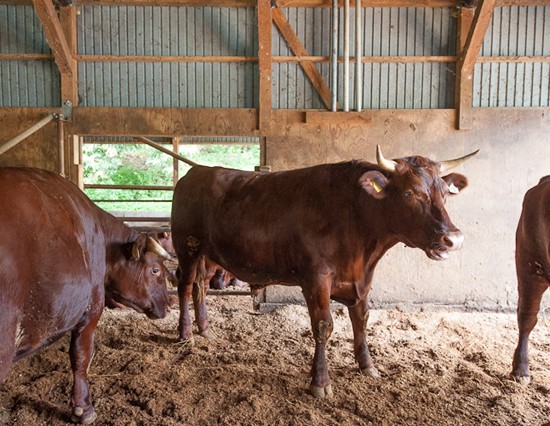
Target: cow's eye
[(155, 271), (408, 194)]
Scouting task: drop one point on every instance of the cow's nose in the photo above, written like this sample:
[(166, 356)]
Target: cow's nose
[(453, 240)]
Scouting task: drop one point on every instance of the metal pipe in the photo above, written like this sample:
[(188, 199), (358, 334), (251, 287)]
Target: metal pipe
[(11, 143), (334, 52), (346, 55), (166, 151), (358, 57), (61, 143)]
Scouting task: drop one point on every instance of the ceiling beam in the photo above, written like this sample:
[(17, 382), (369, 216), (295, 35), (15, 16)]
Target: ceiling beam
[(55, 36), (467, 60)]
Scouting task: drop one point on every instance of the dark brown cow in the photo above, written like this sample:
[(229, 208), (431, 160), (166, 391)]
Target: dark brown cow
[(323, 228), (60, 257), (532, 267)]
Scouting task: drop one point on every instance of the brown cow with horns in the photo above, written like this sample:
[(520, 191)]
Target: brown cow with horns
[(323, 228), (60, 258), (533, 269)]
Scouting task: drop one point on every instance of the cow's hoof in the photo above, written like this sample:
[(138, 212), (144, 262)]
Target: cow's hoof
[(522, 380), (207, 334), (84, 418), (371, 371), (321, 392)]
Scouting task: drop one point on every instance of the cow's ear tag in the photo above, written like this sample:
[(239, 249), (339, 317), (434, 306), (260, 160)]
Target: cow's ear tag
[(376, 187), (453, 189)]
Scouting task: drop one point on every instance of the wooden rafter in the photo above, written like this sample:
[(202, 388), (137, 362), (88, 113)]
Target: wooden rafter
[(265, 63), (467, 60), (298, 49), (55, 36)]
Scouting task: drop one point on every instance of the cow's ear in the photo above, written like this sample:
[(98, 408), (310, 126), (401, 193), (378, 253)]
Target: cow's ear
[(374, 183), (138, 246), (456, 182)]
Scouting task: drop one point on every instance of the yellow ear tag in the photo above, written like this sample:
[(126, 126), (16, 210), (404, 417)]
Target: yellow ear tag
[(376, 187)]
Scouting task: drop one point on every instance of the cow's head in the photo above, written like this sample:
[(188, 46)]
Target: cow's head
[(413, 193), (136, 277)]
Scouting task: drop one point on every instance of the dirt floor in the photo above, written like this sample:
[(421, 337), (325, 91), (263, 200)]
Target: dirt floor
[(437, 368)]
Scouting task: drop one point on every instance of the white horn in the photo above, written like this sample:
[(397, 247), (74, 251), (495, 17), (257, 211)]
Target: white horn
[(450, 164), (389, 165), (155, 247)]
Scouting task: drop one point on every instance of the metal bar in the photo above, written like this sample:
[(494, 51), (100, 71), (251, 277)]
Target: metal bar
[(334, 58), (346, 55), (11, 143), (135, 187), (61, 143), (358, 56), (166, 151), (221, 292)]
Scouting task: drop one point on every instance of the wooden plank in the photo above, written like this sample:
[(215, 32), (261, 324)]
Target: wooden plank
[(467, 59), (54, 34), (265, 65), (158, 58), (289, 35), (285, 3), (170, 122), (26, 57), (69, 81), (340, 117)]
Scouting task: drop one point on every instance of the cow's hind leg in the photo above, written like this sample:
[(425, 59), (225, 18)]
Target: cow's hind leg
[(81, 353), (530, 296), (186, 275), (318, 303), (359, 315), (200, 288), (8, 336)]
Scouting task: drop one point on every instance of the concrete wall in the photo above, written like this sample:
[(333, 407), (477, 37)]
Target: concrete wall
[(515, 154)]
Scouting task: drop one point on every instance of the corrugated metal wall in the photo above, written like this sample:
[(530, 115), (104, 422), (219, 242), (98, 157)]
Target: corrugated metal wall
[(168, 31), (386, 32), (26, 83), (196, 31), (515, 31)]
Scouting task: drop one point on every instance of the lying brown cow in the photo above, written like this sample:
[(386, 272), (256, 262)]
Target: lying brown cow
[(60, 257), (532, 267), (323, 228)]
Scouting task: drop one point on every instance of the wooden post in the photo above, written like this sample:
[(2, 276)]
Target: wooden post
[(265, 65)]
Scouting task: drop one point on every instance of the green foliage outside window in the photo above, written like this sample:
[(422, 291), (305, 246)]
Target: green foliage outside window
[(138, 164)]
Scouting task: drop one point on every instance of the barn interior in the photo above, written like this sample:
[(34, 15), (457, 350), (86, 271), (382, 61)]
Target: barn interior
[(312, 82)]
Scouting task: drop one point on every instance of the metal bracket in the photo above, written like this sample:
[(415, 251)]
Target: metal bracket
[(67, 111)]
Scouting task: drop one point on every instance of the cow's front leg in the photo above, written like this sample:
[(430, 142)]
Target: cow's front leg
[(81, 352), (530, 296), (359, 315), (318, 303)]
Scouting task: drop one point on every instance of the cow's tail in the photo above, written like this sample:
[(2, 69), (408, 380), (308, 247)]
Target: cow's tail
[(200, 285)]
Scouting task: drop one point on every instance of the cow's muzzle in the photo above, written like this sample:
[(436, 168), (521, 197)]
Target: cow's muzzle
[(447, 242)]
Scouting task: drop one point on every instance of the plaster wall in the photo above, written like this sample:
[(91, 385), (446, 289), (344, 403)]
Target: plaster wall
[(515, 154)]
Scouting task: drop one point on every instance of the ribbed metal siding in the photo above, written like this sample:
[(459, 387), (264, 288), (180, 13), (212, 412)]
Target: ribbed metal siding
[(515, 31), (168, 31), (386, 32), (26, 83)]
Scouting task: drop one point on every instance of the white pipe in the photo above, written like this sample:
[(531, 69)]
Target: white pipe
[(346, 55), (358, 57), (334, 55), (11, 143)]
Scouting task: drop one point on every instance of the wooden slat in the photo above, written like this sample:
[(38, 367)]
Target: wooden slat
[(54, 34), (26, 57), (265, 65), (156, 58), (467, 59), (289, 35), (125, 121)]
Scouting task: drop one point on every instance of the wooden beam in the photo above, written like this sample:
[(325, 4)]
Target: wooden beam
[(298, 49), (285, 3), (265, 65), (170, 122), (158, 58), (467, 60), (54, 34), (69, 81)]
